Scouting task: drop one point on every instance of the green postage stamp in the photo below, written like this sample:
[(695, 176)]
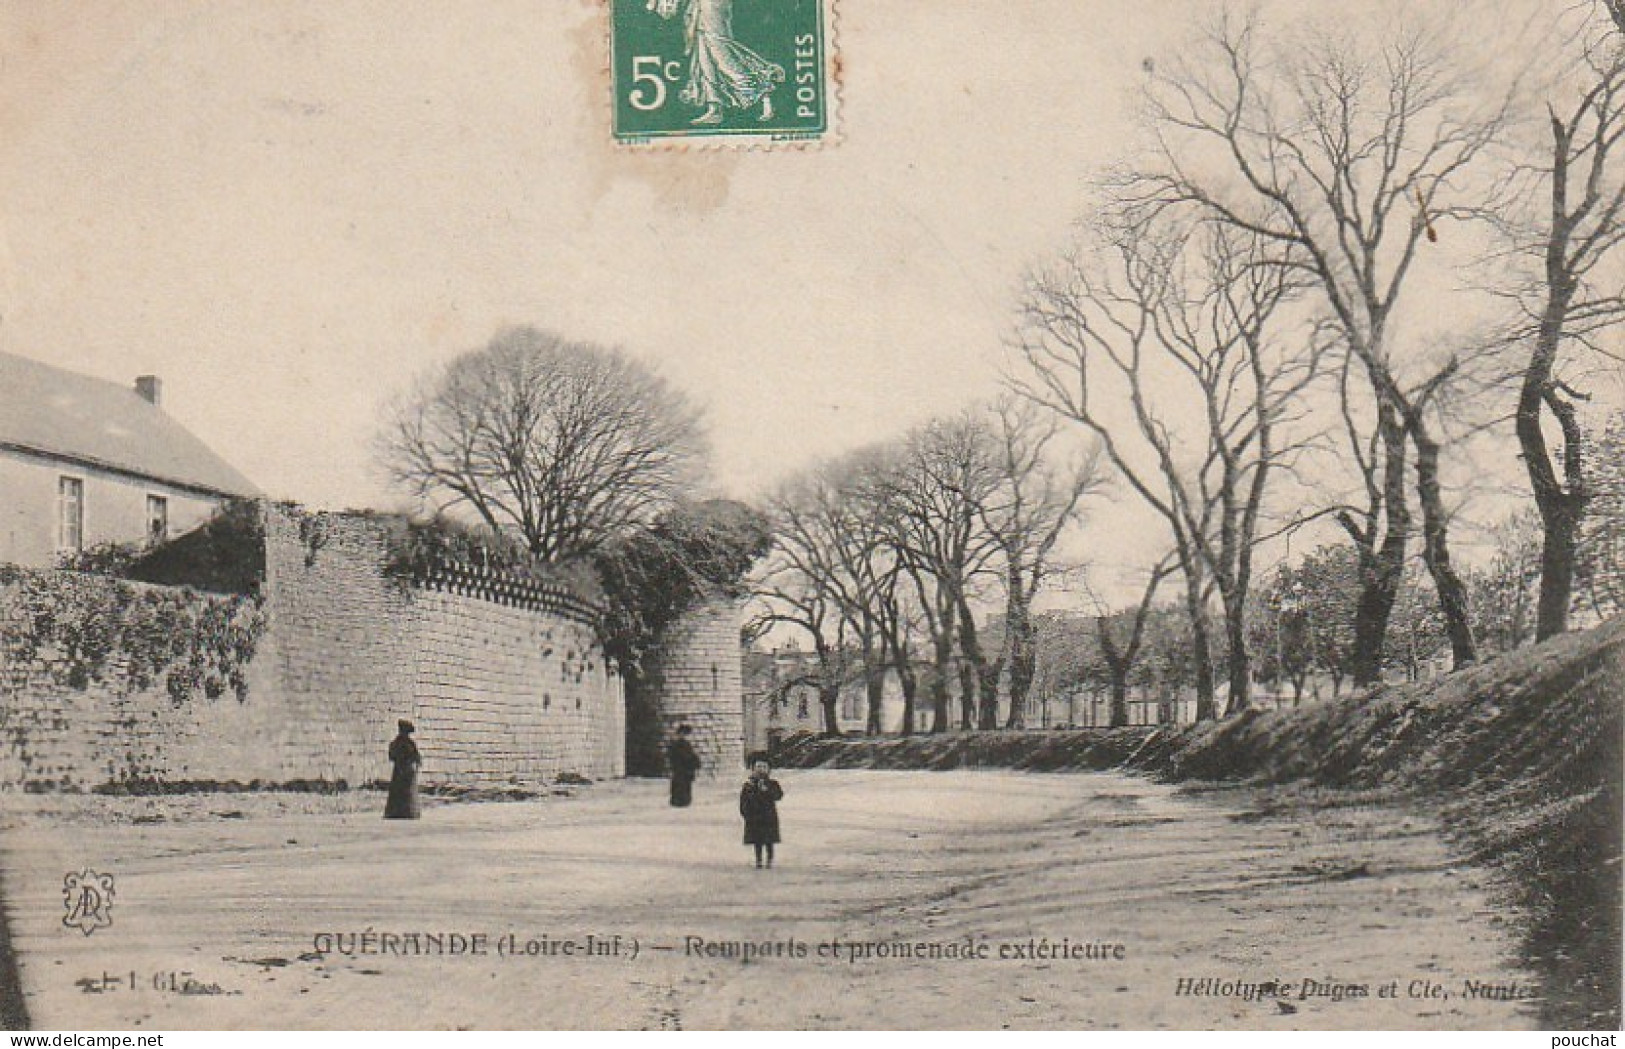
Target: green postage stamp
[(717, 71)]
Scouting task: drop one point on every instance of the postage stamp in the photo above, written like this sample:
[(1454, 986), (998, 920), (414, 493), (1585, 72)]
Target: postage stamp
[(719, 71)]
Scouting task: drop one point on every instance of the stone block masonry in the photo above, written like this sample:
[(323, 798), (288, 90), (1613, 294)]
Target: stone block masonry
[(505, 694), (696, 680), (341, 647), (54, 737), (506, 681)]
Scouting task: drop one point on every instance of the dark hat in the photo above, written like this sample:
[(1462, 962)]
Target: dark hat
[(683, 730), (405, 725)]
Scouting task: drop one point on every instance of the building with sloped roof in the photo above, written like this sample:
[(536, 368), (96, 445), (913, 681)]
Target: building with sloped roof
[(84, 461)]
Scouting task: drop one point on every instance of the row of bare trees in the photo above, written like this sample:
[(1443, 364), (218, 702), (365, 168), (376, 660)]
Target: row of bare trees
[(1243, 326), (885, 556), (1160, 345), (1309, 179), (1262, 250)]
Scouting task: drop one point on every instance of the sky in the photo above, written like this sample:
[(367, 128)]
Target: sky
[(288, 211)]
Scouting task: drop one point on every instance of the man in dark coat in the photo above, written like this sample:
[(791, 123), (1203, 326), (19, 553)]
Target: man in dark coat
[(403, 784), (683, 763), (759, 805)]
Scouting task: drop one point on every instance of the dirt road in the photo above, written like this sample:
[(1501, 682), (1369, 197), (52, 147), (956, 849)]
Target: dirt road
[(1076, 901)]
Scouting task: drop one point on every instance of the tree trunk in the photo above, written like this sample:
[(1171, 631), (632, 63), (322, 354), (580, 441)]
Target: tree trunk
[(1436, 550), (1562, 527), (980, 702), (829, 698), (1119, 707), (1382, 568), (1118, 665), (943, 643), (1240, 673), (1020, 645), (1560, 508), (1379, 589), (910, 686), (1201, 647), (1202, 652), (967, 695), (987, 679), (874, 681), (939, 701), (1023, 669)]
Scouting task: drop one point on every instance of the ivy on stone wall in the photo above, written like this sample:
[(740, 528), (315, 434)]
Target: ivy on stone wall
[(224, 555), (654, 574), (112, 559), (85, 629)]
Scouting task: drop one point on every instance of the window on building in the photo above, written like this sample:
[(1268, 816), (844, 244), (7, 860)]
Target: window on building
[(70, 504), (157, 518), (801, 707)]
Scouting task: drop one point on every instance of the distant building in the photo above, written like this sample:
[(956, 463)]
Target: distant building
[(84, 461), (781, 698)]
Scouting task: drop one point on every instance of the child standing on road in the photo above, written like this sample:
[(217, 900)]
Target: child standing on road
[(759, 805)]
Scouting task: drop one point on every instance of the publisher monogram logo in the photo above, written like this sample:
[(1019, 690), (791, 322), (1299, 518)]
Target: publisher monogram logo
[(88, 899)]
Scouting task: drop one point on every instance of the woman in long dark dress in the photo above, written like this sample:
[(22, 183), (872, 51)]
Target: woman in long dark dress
[(759, 805), (403, 783), (684, 763)]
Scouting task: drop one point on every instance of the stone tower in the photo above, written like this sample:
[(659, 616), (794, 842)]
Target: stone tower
[(695, 678)]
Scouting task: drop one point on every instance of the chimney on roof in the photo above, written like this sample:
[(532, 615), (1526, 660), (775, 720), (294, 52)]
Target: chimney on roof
[(151, 389)]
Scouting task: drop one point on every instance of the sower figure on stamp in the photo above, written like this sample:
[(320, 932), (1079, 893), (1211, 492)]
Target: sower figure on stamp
[(759, 805), (684, 764), (403, 783), (721, 70)]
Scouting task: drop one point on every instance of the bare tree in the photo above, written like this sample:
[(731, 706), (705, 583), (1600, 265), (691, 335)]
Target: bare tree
[(861, 563), (914, 598), (1170, 321), (1579, 208), (942, 475), (563, 443), (892, 599), (840, 575), (937, 610), (1380, 524), (898, 617), (1344, 159), (1119, 653), (1033, 501), (805, 584)]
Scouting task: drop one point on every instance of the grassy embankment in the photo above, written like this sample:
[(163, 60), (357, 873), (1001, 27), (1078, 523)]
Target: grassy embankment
[(1521, 757)]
